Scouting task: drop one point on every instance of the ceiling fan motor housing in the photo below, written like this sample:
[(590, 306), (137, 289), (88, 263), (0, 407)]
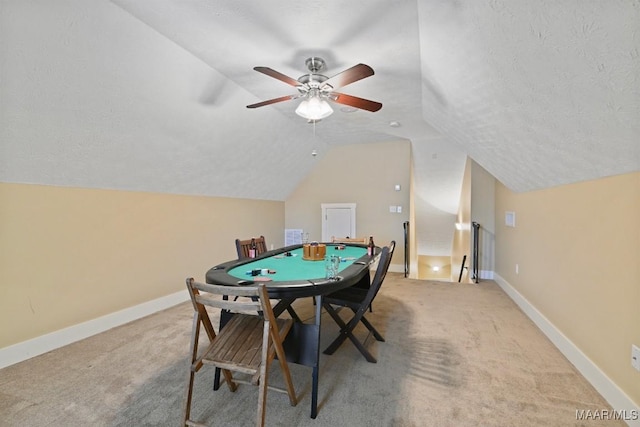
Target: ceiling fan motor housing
[(315, 64), (311, 81)]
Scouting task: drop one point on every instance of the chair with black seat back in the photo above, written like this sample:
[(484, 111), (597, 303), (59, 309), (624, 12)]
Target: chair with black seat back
[(244, 246), (392, 247), (358, 300), (247, 344)]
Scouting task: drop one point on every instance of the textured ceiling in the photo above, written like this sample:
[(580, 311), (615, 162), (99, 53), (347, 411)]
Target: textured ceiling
[(539, 93), (151, 95)]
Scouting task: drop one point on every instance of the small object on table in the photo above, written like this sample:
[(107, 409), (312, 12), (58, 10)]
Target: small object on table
[(314, 251), (260, 272), (331, 265), (371, 247), (253, 249)]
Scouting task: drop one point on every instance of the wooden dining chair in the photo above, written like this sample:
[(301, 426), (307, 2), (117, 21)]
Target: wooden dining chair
[(358, 300), (246, 345), (358, 240), (243, 247)]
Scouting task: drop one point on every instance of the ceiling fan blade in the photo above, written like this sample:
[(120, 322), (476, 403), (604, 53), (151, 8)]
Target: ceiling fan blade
[(354, 101), (273, 101), (277, 75), (353, 74)]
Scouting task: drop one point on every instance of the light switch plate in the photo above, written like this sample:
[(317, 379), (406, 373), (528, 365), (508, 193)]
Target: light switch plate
[(510, 219), (635, 356)]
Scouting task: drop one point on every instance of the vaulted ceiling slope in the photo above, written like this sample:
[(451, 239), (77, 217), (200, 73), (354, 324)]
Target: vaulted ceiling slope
[(150, 95), (540, 93)]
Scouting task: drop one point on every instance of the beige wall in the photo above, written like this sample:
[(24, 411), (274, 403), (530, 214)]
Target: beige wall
[(412, 244), (578, 251), (477, 200), (462, 236), (361, 174), (483, 186), (68, 255)]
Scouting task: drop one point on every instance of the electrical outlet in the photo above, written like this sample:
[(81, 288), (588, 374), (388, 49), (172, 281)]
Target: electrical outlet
[(635, 357)]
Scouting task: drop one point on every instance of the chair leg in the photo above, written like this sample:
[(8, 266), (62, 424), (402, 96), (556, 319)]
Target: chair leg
[(346, 331), (341, 337), (262, 395), (229, 380), (373, 330), (285, 304), (195, 335), (187, 405), (293, 314), (284, 367), (264, 375), (362, 349)]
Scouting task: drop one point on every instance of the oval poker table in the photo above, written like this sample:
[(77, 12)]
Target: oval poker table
[(293, 277)]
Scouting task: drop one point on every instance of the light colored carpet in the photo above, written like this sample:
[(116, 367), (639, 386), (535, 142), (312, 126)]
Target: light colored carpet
[(455, 355)]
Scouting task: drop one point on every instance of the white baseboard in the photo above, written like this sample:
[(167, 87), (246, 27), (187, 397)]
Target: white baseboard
[(485, 274), (618, 400), (396, 268), (42, 344)]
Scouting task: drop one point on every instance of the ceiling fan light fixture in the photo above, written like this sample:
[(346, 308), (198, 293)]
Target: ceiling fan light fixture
[(315, 89), (314, 108)]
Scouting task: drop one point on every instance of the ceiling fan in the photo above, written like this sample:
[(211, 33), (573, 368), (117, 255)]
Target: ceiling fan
[(316, 89)]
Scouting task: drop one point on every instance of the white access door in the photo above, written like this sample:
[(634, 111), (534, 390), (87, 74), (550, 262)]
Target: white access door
[(339, 220)]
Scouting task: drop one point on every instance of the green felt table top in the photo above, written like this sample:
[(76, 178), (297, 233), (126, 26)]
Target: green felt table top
[(294, 267)]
